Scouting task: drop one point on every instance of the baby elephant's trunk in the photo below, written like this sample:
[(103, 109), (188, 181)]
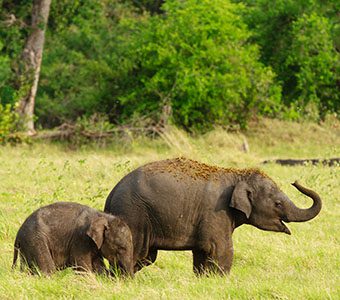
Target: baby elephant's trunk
[(126, 268), (121, 269)]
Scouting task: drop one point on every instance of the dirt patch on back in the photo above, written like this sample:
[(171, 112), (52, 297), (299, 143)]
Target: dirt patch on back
[(182, 166)]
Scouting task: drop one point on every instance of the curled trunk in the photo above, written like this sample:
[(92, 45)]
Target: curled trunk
[(296, 214)]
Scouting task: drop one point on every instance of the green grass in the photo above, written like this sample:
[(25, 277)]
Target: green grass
[(267, 265)]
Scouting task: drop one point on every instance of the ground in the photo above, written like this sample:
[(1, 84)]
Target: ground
[(267, 265)]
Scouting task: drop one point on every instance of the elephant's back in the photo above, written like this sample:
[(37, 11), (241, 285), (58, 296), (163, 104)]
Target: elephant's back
[(159, 183), (121, 195), (185, 169), (162, 189), (63, 216)]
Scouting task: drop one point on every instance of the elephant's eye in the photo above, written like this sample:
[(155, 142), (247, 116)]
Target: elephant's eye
[(278, 204)]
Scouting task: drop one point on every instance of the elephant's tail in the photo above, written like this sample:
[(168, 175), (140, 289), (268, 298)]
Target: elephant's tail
[(16, 251)]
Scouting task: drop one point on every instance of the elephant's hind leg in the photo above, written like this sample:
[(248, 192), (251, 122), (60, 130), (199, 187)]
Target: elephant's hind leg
[(36, 255), (40, 258)]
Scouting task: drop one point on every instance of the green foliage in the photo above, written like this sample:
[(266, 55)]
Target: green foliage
[(14, 21), (9, 125), (9, 120), (6, 91), (298, 39), (316, 64), (80, 63), (153, 6), (4, 67), (214, 62), (91, 130), (197, 59)]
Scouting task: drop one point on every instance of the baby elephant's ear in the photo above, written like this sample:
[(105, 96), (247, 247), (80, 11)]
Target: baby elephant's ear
[(240, 198), (96, 230)]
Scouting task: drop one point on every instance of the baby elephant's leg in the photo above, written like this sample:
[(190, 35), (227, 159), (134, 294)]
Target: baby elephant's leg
[(38, 256), (83, 263)]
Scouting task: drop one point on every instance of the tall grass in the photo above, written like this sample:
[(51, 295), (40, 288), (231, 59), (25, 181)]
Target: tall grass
[(267, 265)]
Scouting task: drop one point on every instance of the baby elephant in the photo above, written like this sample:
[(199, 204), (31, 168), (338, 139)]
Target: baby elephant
[(66, 234)]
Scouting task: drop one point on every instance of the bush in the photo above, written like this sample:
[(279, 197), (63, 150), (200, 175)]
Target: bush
[(316, 65), (5, 74), (13, 33), (197, 59), (300, 41), (196, 62), (9, 125), (80, 62)]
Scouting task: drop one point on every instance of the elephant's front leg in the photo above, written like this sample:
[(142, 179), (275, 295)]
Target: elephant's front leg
[(222, 258), (216, 257), (200, 261)]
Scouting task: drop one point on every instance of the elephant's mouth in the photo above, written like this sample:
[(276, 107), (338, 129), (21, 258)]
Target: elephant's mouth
[(284, 228)]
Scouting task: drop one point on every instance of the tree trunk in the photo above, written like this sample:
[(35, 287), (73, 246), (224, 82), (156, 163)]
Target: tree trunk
[(166, 114), (31, 62)]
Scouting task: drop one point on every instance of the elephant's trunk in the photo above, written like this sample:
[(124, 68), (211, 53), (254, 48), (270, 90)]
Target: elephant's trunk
[(295, 214), (126, 268)]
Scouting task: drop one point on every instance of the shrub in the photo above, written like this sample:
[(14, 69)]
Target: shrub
[(197, 59), (9, 125), (6, 91), (299, 40), (316, 65)]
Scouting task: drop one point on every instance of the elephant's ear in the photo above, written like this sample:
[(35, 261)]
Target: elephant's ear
[(96, 230), (240, 198)]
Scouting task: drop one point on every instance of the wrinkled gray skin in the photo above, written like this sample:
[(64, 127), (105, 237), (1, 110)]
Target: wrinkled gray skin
[(180, 204), (67, 234)]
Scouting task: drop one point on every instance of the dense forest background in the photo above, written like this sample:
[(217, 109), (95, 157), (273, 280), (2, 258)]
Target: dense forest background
[(194, 63)]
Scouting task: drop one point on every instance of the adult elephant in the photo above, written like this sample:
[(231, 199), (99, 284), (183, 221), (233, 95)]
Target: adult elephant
[(181, 204)]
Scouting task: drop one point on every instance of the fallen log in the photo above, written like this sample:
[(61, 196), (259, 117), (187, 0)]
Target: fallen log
[(67, 131), (314, 161)]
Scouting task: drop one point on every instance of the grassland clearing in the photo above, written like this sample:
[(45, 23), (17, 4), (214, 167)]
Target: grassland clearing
[(267, 265)]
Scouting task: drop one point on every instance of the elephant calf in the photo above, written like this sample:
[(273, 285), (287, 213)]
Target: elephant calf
[(66, 234)]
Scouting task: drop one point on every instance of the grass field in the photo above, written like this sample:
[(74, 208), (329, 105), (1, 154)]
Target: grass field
[(267, 265)]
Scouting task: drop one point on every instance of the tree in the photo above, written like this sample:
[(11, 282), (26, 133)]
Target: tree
[(195, 63), (299, 40), (316, 65), (31, 62)]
